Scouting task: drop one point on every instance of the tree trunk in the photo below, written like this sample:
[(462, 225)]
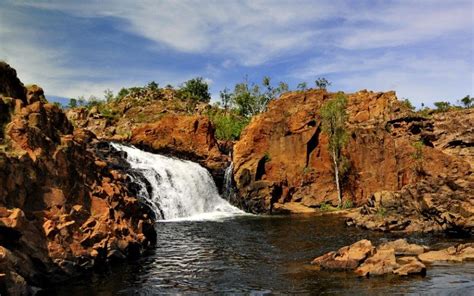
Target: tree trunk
[(336, 175)]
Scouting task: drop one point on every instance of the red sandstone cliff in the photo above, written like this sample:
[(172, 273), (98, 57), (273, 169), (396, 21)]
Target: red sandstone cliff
[(65, 204), (281, 162)]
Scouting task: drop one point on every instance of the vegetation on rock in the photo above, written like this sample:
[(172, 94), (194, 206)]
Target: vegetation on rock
[(334, 117)]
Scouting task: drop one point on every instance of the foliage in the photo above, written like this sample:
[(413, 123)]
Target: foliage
[(334, 117), (418, 157), (348, 204), (267, 157), (406, 102), (322, 83), (226, 99), (467, 101), (72, 103), (418, 154), (327, 207), (196, 90), (302, 86), (251, 99), (442, 106), (108, 113), (108, 95), (228, 126), (381, 212), (92, 102), (152, 86), (123, 92)]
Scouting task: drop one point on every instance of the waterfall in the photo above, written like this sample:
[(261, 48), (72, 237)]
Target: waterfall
[(228, 182), (177, 189)]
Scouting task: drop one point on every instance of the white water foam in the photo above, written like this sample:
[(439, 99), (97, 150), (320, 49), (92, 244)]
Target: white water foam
[(180, 190)]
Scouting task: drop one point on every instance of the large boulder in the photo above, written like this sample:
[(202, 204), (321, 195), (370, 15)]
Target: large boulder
[(366, 260), (348, 257)]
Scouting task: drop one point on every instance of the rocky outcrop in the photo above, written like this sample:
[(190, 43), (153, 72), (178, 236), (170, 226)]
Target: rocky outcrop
[(395, 257), (442, 203), (453, 133), (158, 120), (65, 202), (10, 85), (414, 172)]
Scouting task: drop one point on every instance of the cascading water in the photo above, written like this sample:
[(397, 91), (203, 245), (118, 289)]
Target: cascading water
[(228, 186), (177, 189)]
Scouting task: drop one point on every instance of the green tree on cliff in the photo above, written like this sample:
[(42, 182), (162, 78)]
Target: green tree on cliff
[(72, 103), (196, 89), (467, 101), (226, 99), (442, 106), (302, 86), (334, 117), (322, 83)]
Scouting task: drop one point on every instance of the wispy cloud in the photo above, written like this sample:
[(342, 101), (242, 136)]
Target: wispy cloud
[(404, 44)]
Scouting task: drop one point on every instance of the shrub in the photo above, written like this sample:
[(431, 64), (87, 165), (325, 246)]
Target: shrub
[(228, 126), (122, 93), (196, 90), (467, 101), (267, 157), (322, 83), (442, 106), (72, 103), (381, 212), (418, 154), (408, 104), (347, 204)]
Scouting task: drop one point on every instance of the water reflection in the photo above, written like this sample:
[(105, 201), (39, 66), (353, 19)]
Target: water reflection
[(260, 255)]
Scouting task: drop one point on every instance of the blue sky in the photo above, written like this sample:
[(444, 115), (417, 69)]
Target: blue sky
[(422, 49)]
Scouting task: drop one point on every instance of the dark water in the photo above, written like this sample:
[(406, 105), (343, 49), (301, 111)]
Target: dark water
[(263, 255)]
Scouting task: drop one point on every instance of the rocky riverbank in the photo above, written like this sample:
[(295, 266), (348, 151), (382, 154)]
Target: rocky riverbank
[(65, 200)]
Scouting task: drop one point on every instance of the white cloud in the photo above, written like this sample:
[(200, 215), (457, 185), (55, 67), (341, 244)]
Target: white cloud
[(253, 33), (421, 78), (257, 31)]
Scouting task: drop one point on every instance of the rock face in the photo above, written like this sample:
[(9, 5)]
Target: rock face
[(10, 85), (282, 156), (395, 257), (442, 203), (65, 205)]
